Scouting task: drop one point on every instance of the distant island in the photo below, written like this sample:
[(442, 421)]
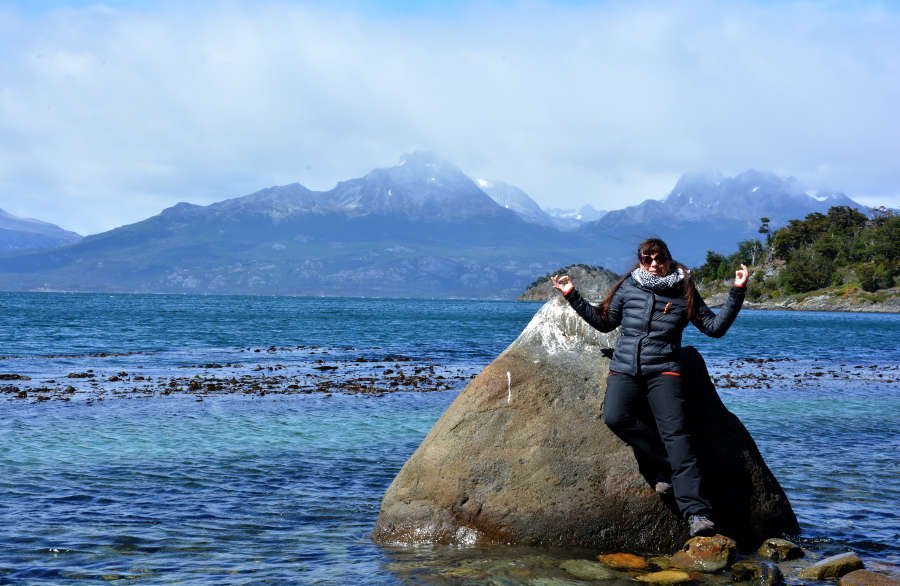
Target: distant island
[(592, 282)]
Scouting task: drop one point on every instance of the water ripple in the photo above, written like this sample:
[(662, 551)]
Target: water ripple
[(241, 490)]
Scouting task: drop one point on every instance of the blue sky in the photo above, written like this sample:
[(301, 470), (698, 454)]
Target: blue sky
[(111, 112)]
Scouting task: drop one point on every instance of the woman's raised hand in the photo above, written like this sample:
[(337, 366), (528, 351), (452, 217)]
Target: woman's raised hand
[(562, 283), (741, 275)]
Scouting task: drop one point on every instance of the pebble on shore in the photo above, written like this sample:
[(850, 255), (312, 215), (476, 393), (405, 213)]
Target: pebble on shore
[(832, 567), (867, 578)]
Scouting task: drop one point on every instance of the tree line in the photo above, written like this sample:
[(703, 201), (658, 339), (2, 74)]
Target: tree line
[(842, 247)]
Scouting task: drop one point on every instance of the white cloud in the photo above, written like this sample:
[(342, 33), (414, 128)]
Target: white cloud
[(108, 115)]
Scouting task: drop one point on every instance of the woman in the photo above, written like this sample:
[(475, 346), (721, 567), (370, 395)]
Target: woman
[(645, 404)]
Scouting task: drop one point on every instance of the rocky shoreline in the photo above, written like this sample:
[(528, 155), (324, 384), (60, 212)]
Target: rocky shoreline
[(713, 560), (887, 302)]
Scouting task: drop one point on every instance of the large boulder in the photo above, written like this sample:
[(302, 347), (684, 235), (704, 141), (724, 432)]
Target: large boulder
[(522, 456)]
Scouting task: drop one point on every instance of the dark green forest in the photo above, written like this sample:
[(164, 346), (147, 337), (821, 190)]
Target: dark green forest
[(840, 248)]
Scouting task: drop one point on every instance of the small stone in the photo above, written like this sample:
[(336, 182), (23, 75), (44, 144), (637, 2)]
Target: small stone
[(832, 567), (779, 550), (867, 578), (623, 561), (554, 582), (706, 554), (462, 573), (587, 570), (763, 573), (660, 562), (665, 577)]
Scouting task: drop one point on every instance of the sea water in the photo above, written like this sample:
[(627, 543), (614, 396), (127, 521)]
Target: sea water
[(285, 488)]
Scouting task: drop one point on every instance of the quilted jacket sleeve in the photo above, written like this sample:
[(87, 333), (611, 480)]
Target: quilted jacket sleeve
[(591, 314), (715, 325)]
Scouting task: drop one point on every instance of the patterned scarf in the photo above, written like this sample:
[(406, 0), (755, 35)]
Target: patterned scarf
[(655, 283)]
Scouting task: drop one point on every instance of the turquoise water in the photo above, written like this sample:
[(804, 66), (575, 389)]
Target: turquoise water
[(229, 489), (238, 489)]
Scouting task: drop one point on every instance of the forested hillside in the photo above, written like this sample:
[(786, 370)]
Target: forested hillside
[(842, 248)]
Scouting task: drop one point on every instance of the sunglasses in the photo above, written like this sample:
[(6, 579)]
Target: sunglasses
[(646, 259)]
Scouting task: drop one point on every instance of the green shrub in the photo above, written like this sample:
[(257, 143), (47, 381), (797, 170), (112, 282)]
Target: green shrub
[(840, 247), (806, 270), (873, 276)]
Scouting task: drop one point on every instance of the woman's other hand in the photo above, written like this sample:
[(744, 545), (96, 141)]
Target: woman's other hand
[(740, 276), (562, 283)]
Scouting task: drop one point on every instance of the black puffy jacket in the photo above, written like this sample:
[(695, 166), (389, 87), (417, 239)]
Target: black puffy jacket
[(652, 323)]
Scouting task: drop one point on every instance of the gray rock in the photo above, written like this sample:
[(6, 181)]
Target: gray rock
[(588, 570), (554, 582), (832, 567), (522, 456), (761, 573), (705, 554), (779, 550), (867, 578)]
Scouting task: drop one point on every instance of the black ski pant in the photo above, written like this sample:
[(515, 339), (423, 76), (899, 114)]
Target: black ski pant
[(648, 413)]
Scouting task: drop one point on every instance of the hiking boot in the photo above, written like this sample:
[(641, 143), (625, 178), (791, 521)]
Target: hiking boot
[(701, 525), (663, 488)]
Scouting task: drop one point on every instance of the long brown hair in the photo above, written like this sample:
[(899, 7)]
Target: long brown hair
[(655, 246)]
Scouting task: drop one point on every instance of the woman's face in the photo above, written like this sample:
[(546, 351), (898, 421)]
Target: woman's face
[(655, 263)]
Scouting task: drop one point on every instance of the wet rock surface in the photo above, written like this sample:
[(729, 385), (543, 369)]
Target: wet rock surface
[(779, 550), (832, 567), (588, 570), (867, 578), (624, 561), (509, 565), (706, 554), (499, 467), (762, 573), (665, 577)]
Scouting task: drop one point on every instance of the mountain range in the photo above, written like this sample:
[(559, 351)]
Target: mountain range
[(21, 234), (422, 228), (713, 212)]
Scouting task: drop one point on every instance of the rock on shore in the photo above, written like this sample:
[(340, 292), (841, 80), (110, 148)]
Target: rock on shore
[(522, 456)]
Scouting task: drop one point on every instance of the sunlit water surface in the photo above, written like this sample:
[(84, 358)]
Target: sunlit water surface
[(285, 489)]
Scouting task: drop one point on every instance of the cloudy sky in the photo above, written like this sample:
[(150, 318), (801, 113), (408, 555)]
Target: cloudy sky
[(110, 112)]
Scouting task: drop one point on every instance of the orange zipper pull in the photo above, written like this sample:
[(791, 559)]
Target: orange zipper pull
[(666, 308)]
